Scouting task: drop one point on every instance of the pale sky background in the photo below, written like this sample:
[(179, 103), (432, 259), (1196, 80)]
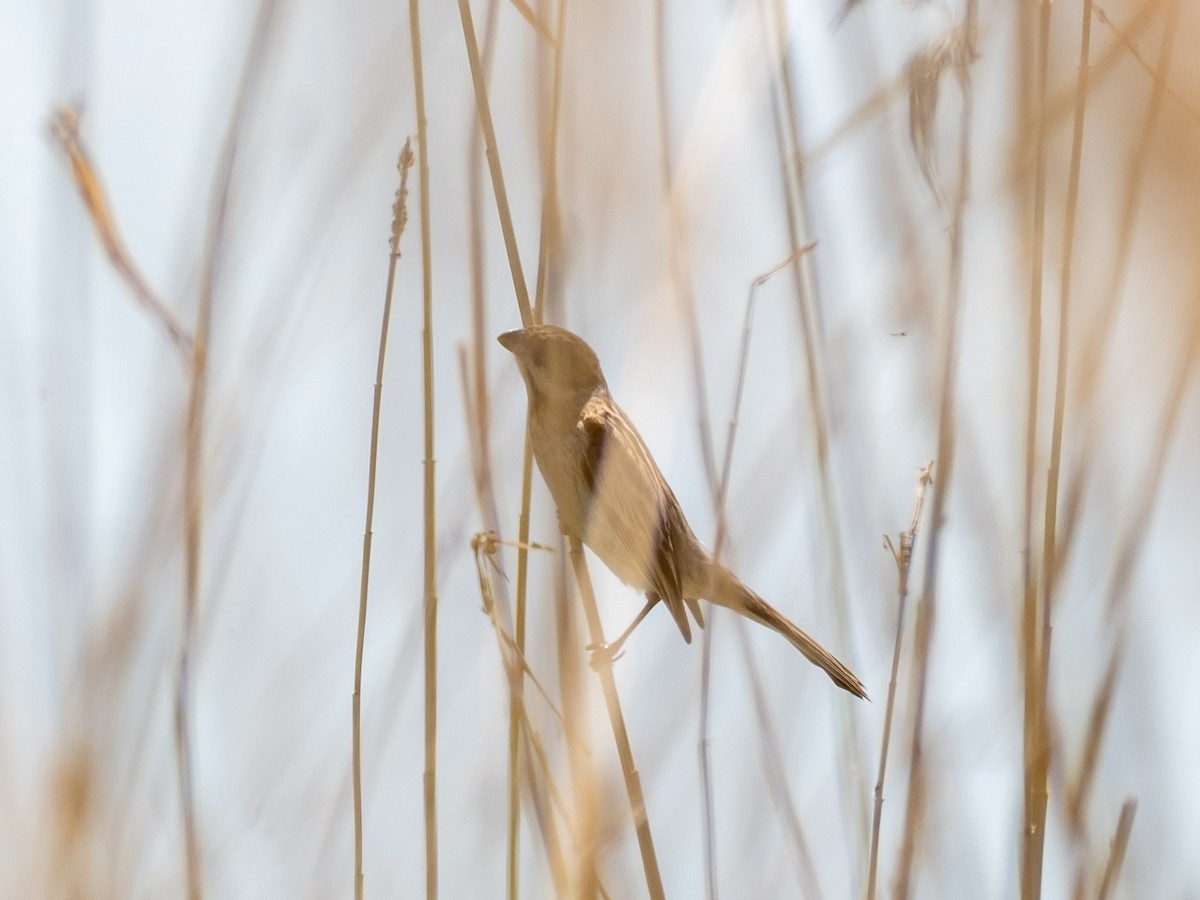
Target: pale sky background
[(93, 399)]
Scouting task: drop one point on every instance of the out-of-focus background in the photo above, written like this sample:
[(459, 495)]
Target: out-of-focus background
[(697, 145)]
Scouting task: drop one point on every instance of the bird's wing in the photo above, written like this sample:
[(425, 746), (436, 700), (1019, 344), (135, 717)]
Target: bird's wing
[(634, 522)]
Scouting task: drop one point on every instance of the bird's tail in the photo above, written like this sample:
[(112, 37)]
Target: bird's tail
[(727, 591)]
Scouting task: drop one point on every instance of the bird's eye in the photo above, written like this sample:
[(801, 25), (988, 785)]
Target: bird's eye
[(537, 355)]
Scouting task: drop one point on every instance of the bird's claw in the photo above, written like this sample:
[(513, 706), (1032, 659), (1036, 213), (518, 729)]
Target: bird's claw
[(604, 655)]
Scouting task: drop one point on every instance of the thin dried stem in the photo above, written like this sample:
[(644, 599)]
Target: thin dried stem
[(430, 602), (516, 668), (775, 774), (914, 813), (1050, 544), (399, 218), (484, 112), (1158, 77), (903, 557), (1106, 59), (1080, 791), (683, 294), (64, 126), (1096, 347), (1120, 844), (1034, 625), (521, 291), (793, 164), (193, 485), (775, 771), (540, 28), (633, 781)]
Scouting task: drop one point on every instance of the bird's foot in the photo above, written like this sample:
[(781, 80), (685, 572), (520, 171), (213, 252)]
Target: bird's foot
[(604, 655)]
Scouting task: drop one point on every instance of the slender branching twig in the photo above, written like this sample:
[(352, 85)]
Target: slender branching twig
[(903, 557)]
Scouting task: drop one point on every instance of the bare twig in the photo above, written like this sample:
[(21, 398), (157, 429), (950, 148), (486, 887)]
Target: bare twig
[(903, 557)]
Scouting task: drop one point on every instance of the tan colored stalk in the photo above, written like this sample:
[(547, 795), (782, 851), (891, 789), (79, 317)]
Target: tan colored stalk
[(399, 219)]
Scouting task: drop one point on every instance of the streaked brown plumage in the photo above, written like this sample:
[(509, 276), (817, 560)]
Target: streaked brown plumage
[(611, 495)]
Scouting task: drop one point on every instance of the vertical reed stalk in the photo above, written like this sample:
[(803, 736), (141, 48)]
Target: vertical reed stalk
[(399, 219), (429, 495)]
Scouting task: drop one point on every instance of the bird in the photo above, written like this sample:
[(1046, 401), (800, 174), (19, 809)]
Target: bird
[(611, 496)]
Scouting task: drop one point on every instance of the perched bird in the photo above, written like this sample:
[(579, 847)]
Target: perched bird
[(611, 495)]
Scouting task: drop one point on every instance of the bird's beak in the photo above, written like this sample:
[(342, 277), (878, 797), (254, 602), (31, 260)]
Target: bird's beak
[(512, 340)]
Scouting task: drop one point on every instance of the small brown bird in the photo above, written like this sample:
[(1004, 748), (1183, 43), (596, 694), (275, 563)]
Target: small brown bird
[(611, 495)]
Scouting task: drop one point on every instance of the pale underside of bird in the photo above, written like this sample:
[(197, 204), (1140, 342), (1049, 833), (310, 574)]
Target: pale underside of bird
[(610, 494)]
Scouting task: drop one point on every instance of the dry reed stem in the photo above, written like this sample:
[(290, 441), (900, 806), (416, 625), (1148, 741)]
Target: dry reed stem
[(612, 701), (516, 667), (550, 237), (1119, 845), (193, 487), (64, 126), (775, 775), (548, 241), (399, 219), (683, 294), (521, 291), (587, 799), (571, 685), (1079, 792), (540, 28), (428, 466), (1034, 613), (1050, 546), (479, 420), (1096, 348), (794, 174), (914, 813), (775, 771), (484, 111), (1158, 78), (903, 557), (1106, 59)]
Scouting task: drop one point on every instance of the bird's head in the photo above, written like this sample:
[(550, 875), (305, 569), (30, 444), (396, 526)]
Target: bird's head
[(558, 367)]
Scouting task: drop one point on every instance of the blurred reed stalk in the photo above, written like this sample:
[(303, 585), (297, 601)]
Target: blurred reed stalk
[(193, 501), (960, 54), (793, 173), (1035, 647), (194, 348)]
